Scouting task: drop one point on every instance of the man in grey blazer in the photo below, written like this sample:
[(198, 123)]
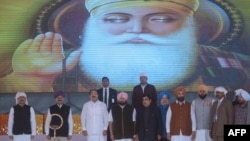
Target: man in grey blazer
[(221, 114)]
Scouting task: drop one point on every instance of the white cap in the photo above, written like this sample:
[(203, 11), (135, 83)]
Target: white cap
[(19, 94)]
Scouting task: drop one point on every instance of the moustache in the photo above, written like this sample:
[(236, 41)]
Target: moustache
[(202, 96), (130, 38), (122, 103), (142, 38), (180, 98)]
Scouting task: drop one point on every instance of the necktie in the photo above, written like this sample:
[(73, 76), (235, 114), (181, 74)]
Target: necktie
[(105, 95)]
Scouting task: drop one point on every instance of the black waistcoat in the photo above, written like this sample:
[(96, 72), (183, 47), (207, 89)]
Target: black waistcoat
[(55, 120), (122, 121), (22, 124)]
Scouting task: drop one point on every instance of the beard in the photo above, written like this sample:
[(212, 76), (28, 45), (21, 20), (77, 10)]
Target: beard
[(122, 103), (168, 60), (181, 99), (202, 96)]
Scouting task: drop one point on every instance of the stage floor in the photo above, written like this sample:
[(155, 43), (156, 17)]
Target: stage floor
[(76, 137)]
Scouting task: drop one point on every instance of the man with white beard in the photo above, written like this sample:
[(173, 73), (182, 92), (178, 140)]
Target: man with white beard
[(122, 39), (147, 32), (140, 36)]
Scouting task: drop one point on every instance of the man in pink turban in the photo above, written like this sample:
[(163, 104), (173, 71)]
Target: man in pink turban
[(122, 119)]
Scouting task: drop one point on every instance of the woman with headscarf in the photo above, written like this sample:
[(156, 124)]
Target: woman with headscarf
[(163, 99)]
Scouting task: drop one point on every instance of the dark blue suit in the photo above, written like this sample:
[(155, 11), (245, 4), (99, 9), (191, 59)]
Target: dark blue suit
[(148, 129)]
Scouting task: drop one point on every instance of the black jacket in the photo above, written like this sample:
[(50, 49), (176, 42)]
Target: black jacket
[(112, 99), (153, 128)]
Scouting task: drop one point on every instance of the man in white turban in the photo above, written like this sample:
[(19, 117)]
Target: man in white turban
[(221, 114), (245, 95), (122, 118), (22, 121), (242, 109)]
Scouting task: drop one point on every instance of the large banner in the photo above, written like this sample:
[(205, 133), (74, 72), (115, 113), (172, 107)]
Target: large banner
[(48, 45)]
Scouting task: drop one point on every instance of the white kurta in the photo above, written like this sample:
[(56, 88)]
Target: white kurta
[(180, 137), (202, 134), (94, 119), (48, 120), (23, 137)]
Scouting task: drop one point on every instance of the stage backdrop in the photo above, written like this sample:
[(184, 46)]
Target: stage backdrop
[(214, 48)]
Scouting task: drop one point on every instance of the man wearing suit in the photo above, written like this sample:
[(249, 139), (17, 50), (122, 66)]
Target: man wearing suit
[(107, 94), (148, 121), (143, 89), (221, 114)]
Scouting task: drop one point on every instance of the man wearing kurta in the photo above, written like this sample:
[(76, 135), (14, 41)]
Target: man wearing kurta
[(163, 100), (64, 133), (94, 118), (122, 119), (22, 121), (180, 118), (202, 106)]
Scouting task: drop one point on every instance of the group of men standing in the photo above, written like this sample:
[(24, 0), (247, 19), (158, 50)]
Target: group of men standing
[(109, 116)]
